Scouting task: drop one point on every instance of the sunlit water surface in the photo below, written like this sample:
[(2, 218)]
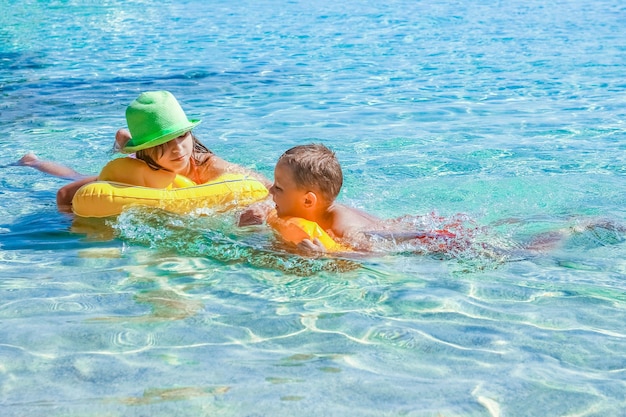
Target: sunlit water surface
[(505, 117)]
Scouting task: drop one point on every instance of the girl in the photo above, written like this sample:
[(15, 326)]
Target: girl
[(159, 135)]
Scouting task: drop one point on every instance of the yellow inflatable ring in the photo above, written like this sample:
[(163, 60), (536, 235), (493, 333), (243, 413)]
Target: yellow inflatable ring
[(104, 198), (295, 230)]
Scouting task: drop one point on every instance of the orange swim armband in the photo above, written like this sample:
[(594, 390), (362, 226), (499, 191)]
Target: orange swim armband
[(295, 230)]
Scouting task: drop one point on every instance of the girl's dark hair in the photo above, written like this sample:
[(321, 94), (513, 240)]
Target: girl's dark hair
[(151, 155)]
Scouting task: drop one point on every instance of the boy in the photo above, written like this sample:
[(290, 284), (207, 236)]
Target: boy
[(307, 180)]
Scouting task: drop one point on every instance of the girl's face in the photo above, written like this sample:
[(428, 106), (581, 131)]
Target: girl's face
[(175, 154), (287, 197)]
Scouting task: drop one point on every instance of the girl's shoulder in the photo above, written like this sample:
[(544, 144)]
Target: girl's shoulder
[(120, 166), (135, 172)]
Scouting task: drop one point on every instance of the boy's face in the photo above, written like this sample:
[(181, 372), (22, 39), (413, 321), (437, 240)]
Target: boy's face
[(288, 198)]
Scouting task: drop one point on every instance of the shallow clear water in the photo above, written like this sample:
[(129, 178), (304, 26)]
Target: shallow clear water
[(511, 113)]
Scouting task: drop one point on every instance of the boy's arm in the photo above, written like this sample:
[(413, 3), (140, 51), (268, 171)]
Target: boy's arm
[(221, 166), (308, 245), (256, 213)]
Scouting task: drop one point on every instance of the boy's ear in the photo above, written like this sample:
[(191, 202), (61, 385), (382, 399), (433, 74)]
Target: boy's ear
[(310, 199)]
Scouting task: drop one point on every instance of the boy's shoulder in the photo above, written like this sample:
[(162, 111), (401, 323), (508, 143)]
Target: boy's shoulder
[(347, 219)]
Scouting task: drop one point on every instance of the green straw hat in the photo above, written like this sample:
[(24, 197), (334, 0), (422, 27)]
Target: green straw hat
[(154, 118)]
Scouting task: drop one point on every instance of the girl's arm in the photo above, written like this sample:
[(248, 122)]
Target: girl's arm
[(216, 166), (49, 167), (66, 193)]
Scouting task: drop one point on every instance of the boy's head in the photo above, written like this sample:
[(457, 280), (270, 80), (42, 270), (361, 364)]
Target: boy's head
[(306, 177)]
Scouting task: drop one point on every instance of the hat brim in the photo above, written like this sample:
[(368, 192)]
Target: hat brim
[(129, 148)]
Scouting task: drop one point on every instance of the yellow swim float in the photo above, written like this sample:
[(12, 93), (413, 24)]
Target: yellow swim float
[(295, 229), (105, 198)]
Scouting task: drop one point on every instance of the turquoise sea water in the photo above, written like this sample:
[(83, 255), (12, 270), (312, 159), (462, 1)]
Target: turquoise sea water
[(509, 113)]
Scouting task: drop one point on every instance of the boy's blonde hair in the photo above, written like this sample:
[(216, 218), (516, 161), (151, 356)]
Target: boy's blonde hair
[(314, 166)]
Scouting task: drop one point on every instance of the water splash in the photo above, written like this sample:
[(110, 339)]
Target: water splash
[(458, 238), (216, 237)]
